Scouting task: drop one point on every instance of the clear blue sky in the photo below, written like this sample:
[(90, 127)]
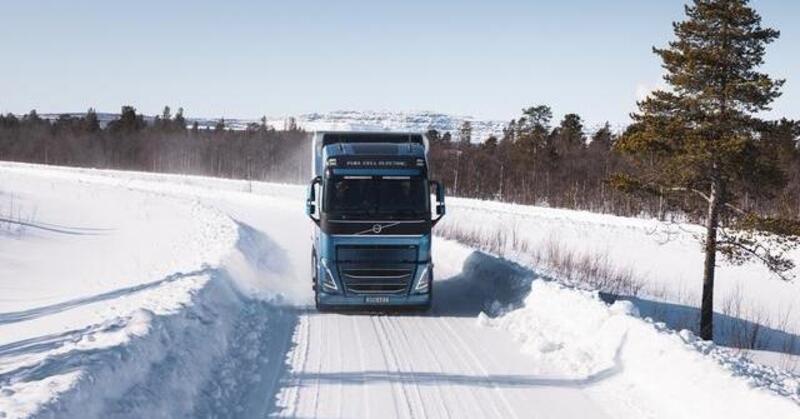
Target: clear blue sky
[(245, 59)]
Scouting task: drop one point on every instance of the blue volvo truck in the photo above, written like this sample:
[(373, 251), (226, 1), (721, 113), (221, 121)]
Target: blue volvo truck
[(370, 201)]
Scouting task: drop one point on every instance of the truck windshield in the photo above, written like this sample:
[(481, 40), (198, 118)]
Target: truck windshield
[(393, 197)]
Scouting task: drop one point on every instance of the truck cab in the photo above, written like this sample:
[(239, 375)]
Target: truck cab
[(370, 202)]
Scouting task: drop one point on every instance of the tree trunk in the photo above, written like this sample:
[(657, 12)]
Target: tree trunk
[(707, 305)]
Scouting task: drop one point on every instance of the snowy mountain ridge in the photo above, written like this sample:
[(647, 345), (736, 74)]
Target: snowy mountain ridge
[(401, 121)]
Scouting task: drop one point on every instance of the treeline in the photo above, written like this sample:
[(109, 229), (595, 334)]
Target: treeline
[(534, 162), (537, 163), (165, 144)]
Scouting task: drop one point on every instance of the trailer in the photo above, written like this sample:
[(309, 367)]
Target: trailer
[(370, 202)]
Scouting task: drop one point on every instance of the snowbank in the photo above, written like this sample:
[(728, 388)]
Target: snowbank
[(96, 277), (661, 261), (133, 294), (626, 361)]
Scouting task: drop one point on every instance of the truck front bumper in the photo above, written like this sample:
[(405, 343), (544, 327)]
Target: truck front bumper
[(374, 301)]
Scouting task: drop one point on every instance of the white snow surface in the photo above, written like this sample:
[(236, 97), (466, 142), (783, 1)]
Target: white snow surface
[(666, 258), (127, 294)]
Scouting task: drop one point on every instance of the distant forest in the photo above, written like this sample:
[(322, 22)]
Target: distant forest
[(165, 144), (534, 162)]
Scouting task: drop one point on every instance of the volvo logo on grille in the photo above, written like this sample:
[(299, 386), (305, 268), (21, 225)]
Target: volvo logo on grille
[(377, 228)]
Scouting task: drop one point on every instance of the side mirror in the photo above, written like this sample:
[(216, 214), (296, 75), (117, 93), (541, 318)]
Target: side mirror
[(311, 199), (440, 207)]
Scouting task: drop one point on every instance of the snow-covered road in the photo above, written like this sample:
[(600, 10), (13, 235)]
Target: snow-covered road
[(206, 313), (443, 364), (408, 366)]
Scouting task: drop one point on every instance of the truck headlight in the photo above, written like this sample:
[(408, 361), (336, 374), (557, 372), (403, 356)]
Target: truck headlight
[(424, 281), (328, 283)]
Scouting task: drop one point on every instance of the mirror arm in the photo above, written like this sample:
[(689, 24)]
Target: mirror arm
[(440, 208)]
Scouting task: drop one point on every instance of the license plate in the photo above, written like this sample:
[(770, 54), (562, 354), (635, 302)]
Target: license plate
[(376, 300)]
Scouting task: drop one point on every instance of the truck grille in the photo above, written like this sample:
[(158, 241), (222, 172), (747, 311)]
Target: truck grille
[(380, 254), (376, 281)]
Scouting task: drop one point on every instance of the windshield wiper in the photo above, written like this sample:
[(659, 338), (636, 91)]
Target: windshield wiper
[(346, 214), (405, 212)]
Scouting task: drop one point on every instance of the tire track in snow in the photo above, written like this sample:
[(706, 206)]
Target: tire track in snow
[(405, 377), (362, 365), (318, 374), (419, 325), (470, 365), (380, 333), (466, 395), (461, 366), (465, 348), (406, 349), (339, 363)]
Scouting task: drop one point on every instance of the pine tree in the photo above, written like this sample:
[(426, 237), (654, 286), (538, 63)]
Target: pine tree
[(465, 133), (700, 139), (166, 114), (290, 124), (569, 134), (433, 136), (602, 139), (490, 145), (180, 121), (536, 117), (128, 121), (92, 123), (220, 127)]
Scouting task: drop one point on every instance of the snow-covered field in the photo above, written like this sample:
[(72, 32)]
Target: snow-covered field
[(665, 259), (140, 295)]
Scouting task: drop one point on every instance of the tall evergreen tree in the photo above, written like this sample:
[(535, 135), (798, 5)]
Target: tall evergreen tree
[(290, 124), (180, 121), (166, 114), (536, 117), (569, 133), (465, 133), (92, 123), (602, 139), (701, 137), (128, 121), (433, 136), (220, 127), (32, 117)]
